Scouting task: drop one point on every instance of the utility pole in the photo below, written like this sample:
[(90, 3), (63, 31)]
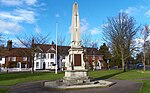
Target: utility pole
[(56, 49)]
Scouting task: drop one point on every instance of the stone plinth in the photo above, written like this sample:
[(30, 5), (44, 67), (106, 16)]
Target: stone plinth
[(76, 59), (93, 84), (76, 77)]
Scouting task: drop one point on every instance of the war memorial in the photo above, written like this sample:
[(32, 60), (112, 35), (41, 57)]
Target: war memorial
[(76, 76)]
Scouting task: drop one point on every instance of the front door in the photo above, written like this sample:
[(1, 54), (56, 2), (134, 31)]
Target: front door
[(43, 65), (77, 59)]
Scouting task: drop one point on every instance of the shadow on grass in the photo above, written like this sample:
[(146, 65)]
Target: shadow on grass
[(107, 76)]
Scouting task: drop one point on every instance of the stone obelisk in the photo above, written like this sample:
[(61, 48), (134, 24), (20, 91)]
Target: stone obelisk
[(76, 51), (75, 27), (76, 72)]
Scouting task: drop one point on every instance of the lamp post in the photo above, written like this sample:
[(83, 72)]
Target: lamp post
[(56, 48)]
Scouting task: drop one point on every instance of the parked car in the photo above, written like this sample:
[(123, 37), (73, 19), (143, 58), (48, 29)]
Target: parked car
[(139, 65)]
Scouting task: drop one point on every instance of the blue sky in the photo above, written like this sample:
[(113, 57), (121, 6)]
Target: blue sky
[(39, 16)]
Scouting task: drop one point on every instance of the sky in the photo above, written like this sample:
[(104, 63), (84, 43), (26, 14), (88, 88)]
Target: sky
[(19, 17)]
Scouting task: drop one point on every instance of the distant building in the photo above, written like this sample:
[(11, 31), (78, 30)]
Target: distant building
[(45, 57), (14, 57)]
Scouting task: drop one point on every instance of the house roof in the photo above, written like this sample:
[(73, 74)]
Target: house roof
[(92, 51), (19, 52), (63, 50), (45, 48)]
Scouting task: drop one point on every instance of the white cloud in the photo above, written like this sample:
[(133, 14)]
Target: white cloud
[(83, 25), (95, 31), (57, 15), (8, 27), (18, 2), (26, 15), (11, 2), (30, 2), (147, 13), (18, 15), (130, 10), (7, 32), (11, 21), (8, 16), (37, 30), (23, 12)]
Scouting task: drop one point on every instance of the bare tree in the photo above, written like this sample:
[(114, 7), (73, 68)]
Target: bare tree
[(94, 44), (62, 41), (119, 33), (146, 32), (148, 54), (30, 42), (86, 40)]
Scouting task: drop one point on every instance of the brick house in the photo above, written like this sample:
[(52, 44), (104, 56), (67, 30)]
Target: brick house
[(15, 57), (45, 56)]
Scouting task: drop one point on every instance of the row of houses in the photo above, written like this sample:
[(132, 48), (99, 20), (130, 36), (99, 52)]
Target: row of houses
[(44, 57)]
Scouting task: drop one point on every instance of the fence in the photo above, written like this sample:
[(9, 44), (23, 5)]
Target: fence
[(14, 69)]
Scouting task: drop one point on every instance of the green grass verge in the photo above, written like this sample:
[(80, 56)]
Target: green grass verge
[(3, 90), (8, 79), (133, 75), (145, 87), (119, 74)]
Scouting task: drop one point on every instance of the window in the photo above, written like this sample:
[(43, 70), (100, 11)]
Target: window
[(0, 58), (52, 56), (18, 65), (37, 55), (24, 58), (13, 58), (48, 64), (43, 56), (37, 64)]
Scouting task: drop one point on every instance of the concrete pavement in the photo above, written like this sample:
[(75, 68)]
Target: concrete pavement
[(121, 86)]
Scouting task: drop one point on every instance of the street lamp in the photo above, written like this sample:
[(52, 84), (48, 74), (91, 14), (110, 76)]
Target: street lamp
[(56, 48)]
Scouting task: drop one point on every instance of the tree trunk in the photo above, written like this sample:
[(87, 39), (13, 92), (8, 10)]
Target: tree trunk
[(123, 62), (144, 68), (32, 60)]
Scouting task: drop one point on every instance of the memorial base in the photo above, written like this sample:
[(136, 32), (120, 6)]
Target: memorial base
[(76, 77)]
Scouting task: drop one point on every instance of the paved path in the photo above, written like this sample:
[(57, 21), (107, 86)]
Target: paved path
[(121, 86)]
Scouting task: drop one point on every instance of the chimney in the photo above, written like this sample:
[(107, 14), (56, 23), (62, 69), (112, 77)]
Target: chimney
[(52, 42), (33, 42), (9, 44)]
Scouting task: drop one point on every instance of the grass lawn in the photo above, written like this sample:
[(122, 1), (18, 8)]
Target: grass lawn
[(8, 79), (133, 75), (118, 74), (3, 90)]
